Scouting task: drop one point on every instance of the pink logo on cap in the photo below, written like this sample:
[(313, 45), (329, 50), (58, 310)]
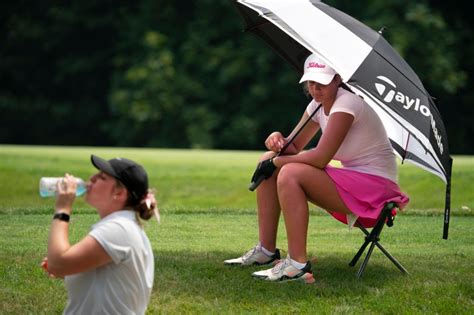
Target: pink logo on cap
[(315, 65)]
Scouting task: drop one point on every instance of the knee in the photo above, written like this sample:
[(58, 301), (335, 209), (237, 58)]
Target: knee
[(288, 175)]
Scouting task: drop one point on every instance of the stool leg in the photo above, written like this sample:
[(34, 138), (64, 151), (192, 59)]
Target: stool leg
[(362, 248), (366, 260), (359, 253), (389, 256), (373, 239)]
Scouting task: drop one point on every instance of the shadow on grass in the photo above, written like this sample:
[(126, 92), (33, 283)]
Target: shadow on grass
[(203, 276)]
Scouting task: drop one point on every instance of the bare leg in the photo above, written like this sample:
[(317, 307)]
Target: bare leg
[(268, 209), (298, 183)]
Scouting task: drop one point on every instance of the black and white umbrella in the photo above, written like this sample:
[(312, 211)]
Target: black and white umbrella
[(371, 68)]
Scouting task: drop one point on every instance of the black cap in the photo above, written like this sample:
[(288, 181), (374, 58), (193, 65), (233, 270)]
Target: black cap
[(129, 173)]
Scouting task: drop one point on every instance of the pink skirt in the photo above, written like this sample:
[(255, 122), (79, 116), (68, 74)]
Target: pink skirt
[(364, 194)]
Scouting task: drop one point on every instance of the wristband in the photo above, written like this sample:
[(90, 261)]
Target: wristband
[(61, 216)]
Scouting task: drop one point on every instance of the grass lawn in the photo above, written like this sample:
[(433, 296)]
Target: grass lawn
[(208, 215)]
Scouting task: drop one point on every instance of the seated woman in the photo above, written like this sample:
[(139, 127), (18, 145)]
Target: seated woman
[(111, 270), (353, 134)]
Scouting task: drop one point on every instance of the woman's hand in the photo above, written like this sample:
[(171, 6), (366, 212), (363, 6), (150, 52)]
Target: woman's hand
[(66, 194), (275, 142), (44, 266)]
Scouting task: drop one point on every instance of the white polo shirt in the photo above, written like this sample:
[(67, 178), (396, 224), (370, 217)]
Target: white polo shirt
[(122, 286)]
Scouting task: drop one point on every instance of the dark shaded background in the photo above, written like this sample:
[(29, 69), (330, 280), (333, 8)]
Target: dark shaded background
[(182, 74)]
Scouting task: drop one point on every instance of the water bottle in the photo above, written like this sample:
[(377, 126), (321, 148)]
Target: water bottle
[(48, 186)]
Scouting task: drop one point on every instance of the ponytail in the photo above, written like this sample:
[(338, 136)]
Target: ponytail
[(145, 206), (144, 211)]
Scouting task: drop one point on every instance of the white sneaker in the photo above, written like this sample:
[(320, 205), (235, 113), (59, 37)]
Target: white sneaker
[(255, 256), (284, 271)]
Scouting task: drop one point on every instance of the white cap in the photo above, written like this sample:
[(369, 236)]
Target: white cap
[(315, 69)]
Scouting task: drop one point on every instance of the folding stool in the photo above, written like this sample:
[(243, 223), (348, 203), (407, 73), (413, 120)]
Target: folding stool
[(373, 238)]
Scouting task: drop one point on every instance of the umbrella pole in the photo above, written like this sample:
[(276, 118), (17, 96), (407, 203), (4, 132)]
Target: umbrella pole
[(253, 185), (447, 205), (298, 132)]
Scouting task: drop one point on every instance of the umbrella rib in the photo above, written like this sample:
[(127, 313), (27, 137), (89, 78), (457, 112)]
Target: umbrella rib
[(406, 147)]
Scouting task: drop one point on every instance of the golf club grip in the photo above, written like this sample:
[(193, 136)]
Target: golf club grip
[(259, 180)]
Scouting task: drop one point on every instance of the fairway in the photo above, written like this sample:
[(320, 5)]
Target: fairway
[(208, 215)]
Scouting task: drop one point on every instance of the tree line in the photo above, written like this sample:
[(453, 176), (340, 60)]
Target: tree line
[(183, 74)]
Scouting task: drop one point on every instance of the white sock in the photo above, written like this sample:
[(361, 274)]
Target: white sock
[(297, 265), (264, 250)]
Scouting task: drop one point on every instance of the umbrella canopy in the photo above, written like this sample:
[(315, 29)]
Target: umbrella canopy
[(371, 68)]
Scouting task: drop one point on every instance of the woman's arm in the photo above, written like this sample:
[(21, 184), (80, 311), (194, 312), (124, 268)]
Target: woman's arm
[(337, 128), (64, 259), (304, 137)]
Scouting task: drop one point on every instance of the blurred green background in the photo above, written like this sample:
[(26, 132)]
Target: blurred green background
[(183, 74), (197, 181)]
